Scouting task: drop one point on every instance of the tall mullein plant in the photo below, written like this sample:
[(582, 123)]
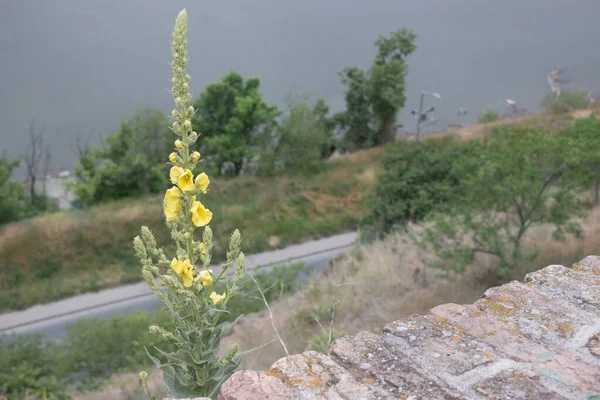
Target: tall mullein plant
[(183, 282)]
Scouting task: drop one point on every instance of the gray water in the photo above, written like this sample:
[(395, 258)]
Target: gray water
[(81, 66)]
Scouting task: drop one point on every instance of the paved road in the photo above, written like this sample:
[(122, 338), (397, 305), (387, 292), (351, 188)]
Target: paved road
[(51, 319)]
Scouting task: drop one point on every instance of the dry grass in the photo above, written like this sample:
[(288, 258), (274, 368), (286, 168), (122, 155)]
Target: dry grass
[(386, 281), (374, 284), (60, 255), (68, 253)]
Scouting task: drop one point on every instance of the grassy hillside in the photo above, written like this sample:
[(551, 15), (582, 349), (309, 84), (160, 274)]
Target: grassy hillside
[(63, 254), (60, 255)]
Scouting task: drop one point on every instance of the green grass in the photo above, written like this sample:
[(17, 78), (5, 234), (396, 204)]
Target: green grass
[(64, 254)]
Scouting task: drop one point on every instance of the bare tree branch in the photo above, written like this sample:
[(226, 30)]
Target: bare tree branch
[(32, 157)]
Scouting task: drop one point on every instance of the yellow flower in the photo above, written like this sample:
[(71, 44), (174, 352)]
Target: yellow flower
[(175, 173), (177, 266), (187, 273), (172, 207), (187, 124), (202, 248), (195, 156), (217, 298), (186, 181), (202, 182), (171, 213), (205, 277), (173, 157), (185, 270), (200, 216), (178, 144)]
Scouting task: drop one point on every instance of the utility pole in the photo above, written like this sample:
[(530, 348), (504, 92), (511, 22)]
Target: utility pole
[(422, 115)]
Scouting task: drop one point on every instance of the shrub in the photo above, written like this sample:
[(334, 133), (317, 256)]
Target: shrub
[(27, 366), (565, 102), (517, 181), (417, 178), (488, 116), (130, 166)]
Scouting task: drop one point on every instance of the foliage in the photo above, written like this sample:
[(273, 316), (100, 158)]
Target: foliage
[(416, 179), (130, 166), (516, 181), (230, 114), (27, 365), (357, 120), (585, 143), (13, 201), (93, 350), (374, 97), (194, 367), (490, 115), (301, 139), (566, 101), (15, 205)]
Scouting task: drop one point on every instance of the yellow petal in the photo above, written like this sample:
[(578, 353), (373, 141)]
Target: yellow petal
[(177, 266), (217, 298), (202, 182), (186, 181), (187, 281), (175, 173), (174, 194), (205, 278), (172, 211), (173, 157), (200, 216)]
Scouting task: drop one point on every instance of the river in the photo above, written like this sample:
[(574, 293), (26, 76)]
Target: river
[(81, 66)]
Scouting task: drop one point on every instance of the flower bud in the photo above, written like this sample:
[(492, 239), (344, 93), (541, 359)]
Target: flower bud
[(193, 136), (178, 144), (195, 156), (191, 109), (173, 157), (187, 124), (174, 113), (144, 376), (175, 126)]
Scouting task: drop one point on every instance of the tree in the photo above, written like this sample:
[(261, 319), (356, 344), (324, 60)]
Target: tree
[(131, 165), (231, 114), (518, 179), (387, 80), (584, 137), (14, 204), (36, 158), (416, 180), (375, 96), (357, 120), (302, 138)]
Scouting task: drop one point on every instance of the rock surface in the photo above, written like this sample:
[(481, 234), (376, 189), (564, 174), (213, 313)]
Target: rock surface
[(539, 339)]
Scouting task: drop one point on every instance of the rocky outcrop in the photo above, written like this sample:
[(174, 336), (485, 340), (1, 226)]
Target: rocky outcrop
[(539, 339)]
